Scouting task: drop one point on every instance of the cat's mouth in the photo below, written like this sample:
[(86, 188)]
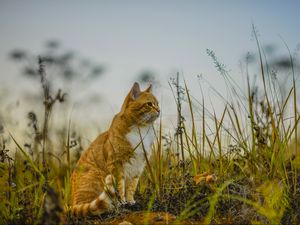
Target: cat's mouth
[(150, 118), (156, 114)]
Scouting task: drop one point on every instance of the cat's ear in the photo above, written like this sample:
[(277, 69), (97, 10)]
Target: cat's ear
[(149, 89), (135, 91), (133, 94)]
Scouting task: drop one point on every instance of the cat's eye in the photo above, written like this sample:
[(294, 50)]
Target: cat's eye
[(149, 104)]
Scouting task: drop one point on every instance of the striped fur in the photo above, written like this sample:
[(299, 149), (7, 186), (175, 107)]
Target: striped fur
[(101, 204)]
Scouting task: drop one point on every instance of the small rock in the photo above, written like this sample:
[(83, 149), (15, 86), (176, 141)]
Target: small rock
[(125, 223)]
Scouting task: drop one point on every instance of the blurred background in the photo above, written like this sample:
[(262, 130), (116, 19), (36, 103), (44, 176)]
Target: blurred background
[(95, 50)]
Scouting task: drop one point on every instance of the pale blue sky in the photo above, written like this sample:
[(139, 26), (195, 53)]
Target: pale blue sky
[(130, 36)]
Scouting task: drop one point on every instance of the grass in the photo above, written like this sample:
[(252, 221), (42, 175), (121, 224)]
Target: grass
[(247, 150)]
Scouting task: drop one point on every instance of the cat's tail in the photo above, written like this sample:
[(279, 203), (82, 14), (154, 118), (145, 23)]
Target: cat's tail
[(101, 204)]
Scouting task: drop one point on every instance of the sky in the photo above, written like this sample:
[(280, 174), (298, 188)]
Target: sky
[(129, 37)]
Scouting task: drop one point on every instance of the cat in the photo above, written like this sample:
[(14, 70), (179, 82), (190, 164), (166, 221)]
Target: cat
[(117, 157)]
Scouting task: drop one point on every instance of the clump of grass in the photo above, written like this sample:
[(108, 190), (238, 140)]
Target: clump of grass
[(27, 177)]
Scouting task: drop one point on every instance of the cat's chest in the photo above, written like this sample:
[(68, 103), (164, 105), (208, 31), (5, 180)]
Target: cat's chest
[(141, 137), (140, 140)]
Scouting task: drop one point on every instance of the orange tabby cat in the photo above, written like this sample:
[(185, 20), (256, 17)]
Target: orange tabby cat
[(117, 156)]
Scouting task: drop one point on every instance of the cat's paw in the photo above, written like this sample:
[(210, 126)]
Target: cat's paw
[(131, 202), (122, 203), (133, 206)]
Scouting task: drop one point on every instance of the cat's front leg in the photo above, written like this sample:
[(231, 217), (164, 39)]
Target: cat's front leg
[(131, 185), (121, 187)]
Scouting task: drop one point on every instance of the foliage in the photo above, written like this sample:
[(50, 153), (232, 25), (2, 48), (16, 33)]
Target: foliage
[(68, 65)]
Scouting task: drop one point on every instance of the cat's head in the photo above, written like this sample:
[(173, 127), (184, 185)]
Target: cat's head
[(141, 106)]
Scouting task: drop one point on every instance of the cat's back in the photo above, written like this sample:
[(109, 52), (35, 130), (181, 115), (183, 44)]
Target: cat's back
[(96, 151), (91, 161)]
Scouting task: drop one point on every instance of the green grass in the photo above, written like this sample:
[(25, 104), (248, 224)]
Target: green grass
[(247, 148)]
